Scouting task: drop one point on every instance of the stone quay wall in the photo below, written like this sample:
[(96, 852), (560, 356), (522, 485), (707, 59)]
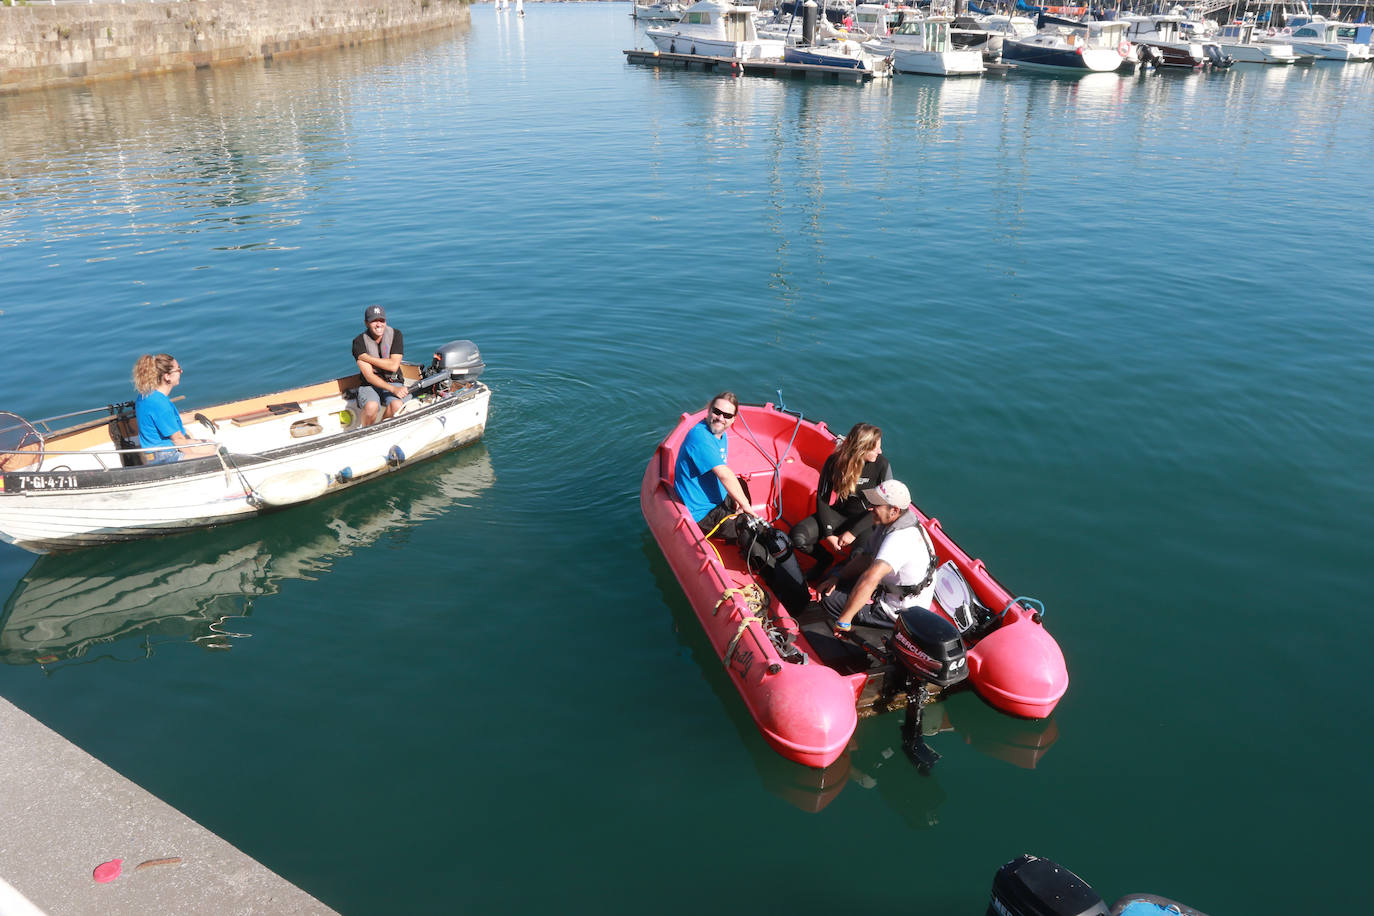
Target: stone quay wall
[(65, 44)]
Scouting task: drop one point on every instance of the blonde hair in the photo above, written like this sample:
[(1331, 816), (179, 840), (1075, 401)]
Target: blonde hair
[(849, 458), (149, 370)]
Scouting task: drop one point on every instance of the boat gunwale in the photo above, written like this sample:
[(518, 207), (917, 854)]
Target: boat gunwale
[(145, 474)]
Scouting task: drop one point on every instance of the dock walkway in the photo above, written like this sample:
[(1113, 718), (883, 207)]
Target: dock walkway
[(63, 813)]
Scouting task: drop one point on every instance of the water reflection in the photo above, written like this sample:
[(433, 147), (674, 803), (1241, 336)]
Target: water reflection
[(131, 597), (239, 144)]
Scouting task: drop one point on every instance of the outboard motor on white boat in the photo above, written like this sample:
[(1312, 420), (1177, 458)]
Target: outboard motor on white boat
[(768, 554), (455, 364)]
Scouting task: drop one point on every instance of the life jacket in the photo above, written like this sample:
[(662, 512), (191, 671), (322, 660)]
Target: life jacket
[(908, 519), (382, 349)]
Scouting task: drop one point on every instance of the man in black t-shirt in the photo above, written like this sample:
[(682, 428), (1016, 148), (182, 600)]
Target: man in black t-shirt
[(378, 352)]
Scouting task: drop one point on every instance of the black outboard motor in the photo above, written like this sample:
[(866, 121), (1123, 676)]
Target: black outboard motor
[(929, 647), (455, 364), (1031, 886), (928, 650), (768, 554), (1218, 60)]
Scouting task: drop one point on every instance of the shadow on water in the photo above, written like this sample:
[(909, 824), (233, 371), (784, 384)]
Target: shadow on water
[(874, 757), (126, 599)]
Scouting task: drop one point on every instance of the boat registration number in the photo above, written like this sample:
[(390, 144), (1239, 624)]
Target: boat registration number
[(15, 483)]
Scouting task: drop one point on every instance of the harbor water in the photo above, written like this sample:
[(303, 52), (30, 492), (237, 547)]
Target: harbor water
[(1117, 331)]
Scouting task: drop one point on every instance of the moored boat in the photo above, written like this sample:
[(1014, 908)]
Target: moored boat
[(926, 46), (1239, 42), (657, 12), (804, 701), (1065, 46), (1163, 33), (714, 28), (89, 484)]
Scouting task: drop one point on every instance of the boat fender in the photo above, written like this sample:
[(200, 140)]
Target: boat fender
[(291, 487), (344, 475), (396, 455)]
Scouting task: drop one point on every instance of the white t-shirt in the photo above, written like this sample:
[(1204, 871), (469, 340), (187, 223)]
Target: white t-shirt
[(908, 552)]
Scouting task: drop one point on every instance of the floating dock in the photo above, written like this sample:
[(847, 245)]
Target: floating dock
[(759, 67)]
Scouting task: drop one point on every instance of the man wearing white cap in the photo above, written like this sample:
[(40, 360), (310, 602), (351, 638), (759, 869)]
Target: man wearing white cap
[(891, 572)]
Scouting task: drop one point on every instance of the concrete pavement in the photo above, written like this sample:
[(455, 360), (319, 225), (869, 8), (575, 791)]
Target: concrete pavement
[(62, 813)]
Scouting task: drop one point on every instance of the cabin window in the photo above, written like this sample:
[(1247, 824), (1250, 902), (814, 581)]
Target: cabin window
[(696, 18), (1305, 33)]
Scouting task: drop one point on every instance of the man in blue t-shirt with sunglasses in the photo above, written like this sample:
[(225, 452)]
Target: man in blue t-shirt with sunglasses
[(703, 480)]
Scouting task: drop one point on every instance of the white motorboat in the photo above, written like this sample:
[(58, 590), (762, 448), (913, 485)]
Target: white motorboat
[(1163, 34), (998, 28), (1068, 46), (714, 28), (161, 589), (925, 46), (1322, 38), (876, 20), (1239, 42), (88, 484), (658, 12)]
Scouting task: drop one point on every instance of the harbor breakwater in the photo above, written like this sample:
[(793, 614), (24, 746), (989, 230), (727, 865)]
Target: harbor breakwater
[(45, 46)]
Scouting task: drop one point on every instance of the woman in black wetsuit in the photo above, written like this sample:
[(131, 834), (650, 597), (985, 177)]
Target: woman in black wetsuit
[(856, 465)]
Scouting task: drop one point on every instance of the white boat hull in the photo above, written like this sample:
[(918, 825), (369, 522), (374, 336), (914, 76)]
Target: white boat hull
[(1248, 53), (1330, 50), (46, 510), (671, 41), (938, 63)]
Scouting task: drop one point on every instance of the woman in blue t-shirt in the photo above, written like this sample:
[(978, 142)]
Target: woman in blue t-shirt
[(159, 423)]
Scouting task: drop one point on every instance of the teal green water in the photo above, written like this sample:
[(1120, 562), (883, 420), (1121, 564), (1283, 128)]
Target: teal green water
[(1118, 333)]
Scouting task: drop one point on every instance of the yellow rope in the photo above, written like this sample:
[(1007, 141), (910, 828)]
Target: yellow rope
[(754, 599)]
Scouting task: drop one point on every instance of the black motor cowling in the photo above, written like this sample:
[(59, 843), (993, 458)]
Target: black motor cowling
[(768, 554), (929, 647), (1031, 886)]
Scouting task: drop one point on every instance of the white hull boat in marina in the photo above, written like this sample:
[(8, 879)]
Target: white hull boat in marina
[(1239, 42), (925, 46), (658, 12), (713, 28), (88, 484), (1322, 39)]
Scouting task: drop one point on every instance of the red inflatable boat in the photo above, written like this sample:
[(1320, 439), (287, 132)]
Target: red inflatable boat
[(805, 708)]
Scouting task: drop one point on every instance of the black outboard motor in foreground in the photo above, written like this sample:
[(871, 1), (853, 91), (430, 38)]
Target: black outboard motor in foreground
[(1032, 886), (455, 364), (924, 649)]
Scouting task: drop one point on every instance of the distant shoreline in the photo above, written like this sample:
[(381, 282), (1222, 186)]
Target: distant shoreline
[(49, 46)]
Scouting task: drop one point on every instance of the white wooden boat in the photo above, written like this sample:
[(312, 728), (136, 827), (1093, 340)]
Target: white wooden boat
[(83, 603), (714, 28), (88, 484), (925, 46)]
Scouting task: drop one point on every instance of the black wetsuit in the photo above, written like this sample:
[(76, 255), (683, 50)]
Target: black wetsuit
[(849, 514)]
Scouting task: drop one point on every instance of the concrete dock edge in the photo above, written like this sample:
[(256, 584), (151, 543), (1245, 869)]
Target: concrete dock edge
[(62, 813)]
